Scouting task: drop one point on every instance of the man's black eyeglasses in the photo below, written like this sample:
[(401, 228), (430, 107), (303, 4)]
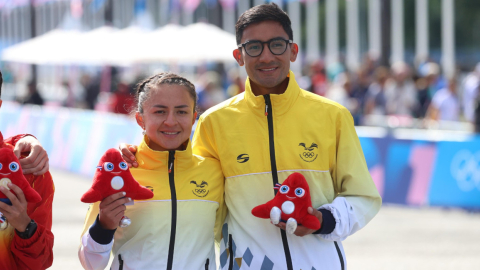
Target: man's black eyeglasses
[(254, 48)]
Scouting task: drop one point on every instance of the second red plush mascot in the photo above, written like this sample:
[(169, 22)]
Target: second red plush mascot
[(113, 176), (11, 172), (290, 204)]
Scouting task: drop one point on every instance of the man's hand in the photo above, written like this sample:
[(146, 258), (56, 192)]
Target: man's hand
[(112, 209), (301, 230), (16, 213), (37, 161), (128, 154)]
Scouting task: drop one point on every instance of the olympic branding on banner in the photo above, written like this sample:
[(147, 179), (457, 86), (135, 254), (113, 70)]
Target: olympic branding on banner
[(465, 169)]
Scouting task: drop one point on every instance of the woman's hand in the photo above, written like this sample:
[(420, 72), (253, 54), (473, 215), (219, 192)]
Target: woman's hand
[(37, 161), (16, 213), (128, 154), (112, 209)]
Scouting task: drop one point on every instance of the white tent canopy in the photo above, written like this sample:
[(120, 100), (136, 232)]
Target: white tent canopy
[(109, 46), (54, 47)]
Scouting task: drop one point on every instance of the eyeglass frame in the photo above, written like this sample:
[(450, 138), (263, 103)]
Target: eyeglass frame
[(289, 41)]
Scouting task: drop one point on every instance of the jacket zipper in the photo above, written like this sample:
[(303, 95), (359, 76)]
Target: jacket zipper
[(120, 262), (273, 163), (339, 255), (171, 179)]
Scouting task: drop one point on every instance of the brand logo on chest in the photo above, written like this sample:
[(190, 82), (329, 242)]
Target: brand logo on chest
[(308, 154), (243, 158), (200, 190)]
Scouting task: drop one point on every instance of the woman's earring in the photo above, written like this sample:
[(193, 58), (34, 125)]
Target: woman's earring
[(144, 132)]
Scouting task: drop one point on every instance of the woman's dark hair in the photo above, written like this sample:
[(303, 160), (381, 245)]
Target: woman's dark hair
[(144, 88), (261, 13)]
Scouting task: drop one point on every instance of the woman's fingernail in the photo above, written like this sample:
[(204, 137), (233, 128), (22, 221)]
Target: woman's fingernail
[(124, 193)]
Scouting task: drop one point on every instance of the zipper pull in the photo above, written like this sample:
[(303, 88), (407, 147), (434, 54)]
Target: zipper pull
[(266, 110), (171, 158)]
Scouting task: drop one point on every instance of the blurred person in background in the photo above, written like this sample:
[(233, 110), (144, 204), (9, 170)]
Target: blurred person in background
[(91, 89), (210, 92), (122, 100), (476, 121), (341, 92), (400, 92), (33, 96), (471, 90), (26, 239), (178, 227), (445, 104), (236, 84), (71, 100), (318, 77), (423, 97), (431, 72), (376, 100), (359, 93)]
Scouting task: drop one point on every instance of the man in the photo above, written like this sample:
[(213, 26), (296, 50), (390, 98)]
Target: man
[(268, 132), (26, 242), (279, 129)]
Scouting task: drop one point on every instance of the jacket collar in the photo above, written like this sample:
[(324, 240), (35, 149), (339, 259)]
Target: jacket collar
[(150, 159), (280, 103)]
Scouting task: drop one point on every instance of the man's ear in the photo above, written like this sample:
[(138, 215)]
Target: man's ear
[(139, 119), (293, 52), (237, 54)]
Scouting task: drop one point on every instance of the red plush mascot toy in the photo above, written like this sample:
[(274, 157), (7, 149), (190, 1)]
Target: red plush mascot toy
[(11, 172), (290, 204), (113, 176)]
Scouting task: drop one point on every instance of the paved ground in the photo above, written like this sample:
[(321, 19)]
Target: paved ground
[(398, 237)]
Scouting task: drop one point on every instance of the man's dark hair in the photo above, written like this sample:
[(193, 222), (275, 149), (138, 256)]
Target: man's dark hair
[(1, 82), (261, 13)]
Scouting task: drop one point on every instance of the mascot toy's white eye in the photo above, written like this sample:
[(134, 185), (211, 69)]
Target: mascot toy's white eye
[(284, 189), (299, 192), (108, 166), (123, 166), (13, 166)]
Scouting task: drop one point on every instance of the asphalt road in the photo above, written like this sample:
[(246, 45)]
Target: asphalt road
[(400, 238)]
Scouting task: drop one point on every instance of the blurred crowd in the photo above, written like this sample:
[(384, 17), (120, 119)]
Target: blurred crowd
[(421, 93)]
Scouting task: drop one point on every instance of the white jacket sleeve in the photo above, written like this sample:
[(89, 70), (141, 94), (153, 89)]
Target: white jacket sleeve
[(93, 255), (349, 214)]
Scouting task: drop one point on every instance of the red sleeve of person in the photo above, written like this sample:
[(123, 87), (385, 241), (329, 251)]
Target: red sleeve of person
[(37, 251)]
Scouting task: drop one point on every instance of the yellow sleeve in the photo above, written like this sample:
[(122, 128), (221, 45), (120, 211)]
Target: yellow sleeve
[(91, 216), (351, 175), (203, 142)]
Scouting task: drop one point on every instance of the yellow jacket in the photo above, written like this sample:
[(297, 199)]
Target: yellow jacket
[(148, 242), (259, 141)]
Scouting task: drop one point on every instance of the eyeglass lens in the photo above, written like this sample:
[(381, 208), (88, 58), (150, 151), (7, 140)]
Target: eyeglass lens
[(276, 46)]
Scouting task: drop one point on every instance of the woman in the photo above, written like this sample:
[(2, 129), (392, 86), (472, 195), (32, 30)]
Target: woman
[(174, 229)]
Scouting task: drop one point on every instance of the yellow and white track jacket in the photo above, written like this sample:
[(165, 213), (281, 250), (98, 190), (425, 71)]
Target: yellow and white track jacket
[(173, 230), (260, 141)]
